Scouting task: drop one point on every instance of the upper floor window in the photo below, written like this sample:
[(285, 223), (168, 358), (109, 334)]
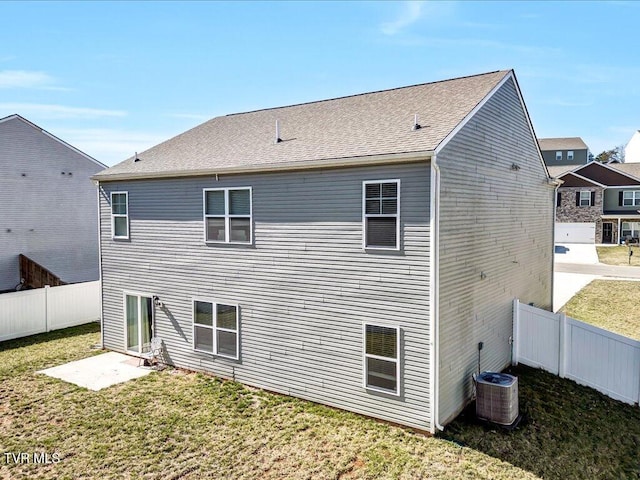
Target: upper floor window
[(381, 214), (558, 155), (227, 215), (570, 155), (119, 214), (631, 198), (585, 198), (382, 358), (215, 328)]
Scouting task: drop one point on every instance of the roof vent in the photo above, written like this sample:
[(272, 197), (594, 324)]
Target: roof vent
[(278, 139), (416, 125), (135, 157)]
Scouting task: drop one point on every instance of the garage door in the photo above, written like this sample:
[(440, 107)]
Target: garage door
[(575, 233)]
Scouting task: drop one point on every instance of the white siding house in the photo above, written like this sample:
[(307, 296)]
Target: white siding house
[(632, 149), (49, 210), (351, 251)]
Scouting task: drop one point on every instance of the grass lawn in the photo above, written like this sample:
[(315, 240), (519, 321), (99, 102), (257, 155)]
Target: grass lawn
[(179, 425), (619, 255), (610, 304)]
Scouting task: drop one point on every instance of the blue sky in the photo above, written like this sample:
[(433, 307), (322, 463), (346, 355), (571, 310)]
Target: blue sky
[(115, 78)]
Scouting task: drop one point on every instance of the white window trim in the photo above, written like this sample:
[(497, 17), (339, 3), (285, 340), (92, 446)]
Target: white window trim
[(631, 229), (570, 155), (635, 195), (379, 215), (558, 155), (588, 192), (119, 215), (130, 293), (227, 215), (366, 355), (214, 328)]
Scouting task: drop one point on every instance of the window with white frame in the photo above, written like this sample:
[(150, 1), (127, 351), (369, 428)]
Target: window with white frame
[(381, 214), (381, 358), (570, 155), (119, 214), (630, 230), (585, 198), (215, 328), (227, 215), (559, 155), (631, 198)]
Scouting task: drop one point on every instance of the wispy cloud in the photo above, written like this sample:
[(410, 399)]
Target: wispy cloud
[(411, 12), (48, 111), (27, 79)]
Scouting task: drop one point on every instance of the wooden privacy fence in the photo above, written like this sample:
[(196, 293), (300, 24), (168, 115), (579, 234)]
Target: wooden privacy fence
[(35, 275), (50, 308), (576, 350)]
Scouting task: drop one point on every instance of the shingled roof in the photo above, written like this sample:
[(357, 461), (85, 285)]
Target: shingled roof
[(629, 173), (568, 143), (361, 127)]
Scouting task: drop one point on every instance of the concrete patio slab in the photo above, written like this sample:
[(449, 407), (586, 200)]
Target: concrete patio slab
[(100, 371)]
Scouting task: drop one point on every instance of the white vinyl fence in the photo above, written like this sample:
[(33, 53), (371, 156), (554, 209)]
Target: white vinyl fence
[(50, 308), (576, 350)]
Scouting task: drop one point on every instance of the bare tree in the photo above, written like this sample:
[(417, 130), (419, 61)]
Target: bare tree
[(614, 155)]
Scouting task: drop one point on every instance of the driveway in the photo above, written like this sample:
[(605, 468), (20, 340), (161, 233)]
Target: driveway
[(582, 253)]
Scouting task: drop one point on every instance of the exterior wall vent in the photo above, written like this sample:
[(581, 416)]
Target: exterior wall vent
[(497, 398)]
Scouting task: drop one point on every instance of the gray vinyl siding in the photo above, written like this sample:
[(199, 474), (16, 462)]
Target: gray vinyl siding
[(496, 228), (47, 215), (612, 201), (304, 287), (580, 157)]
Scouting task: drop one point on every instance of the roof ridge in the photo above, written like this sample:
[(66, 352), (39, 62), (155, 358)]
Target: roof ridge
[(366, 93)]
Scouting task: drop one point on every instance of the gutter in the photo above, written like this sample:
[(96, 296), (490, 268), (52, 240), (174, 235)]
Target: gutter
[(434, 295), (389, 158)]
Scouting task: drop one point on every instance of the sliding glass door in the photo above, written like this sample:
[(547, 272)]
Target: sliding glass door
[(139, 322)]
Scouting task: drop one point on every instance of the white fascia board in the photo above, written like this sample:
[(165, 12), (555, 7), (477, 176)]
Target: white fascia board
[(279, 167), (471, 114), (585, 179), (628, 175)]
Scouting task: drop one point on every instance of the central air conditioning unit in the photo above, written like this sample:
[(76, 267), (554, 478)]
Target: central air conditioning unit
[(497, 397)]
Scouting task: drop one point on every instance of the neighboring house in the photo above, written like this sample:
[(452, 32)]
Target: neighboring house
[(632, 149), (49, 205), (564, 151), (353, 252), (598, 203)]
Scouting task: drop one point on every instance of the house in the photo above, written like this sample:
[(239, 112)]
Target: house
[(632, 149), (354, 252), (598, 203), (50, 210), (564, 151)]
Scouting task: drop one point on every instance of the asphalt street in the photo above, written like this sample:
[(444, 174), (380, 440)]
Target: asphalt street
[(599, 269)]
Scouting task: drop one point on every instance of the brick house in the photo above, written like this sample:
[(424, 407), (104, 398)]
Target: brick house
[(598, 203)]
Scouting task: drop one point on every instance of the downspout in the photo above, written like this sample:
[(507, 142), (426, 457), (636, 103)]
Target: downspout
[(434, 294), (556, 183), (100, 264)]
